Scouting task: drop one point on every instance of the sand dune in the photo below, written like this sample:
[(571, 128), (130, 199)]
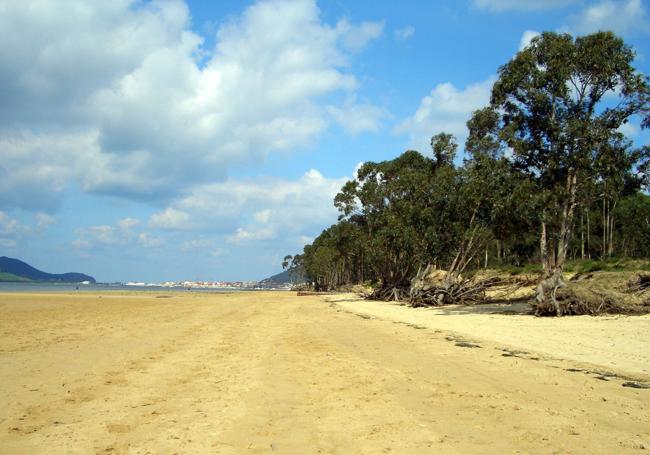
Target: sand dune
[(275, 373)]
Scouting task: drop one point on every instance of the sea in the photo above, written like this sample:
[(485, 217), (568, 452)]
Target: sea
[(101, 287)]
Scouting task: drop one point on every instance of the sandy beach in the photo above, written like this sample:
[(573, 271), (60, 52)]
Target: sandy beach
[(270, 372)]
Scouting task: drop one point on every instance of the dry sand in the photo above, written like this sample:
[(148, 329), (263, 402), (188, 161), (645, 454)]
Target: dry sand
[(272, 372)]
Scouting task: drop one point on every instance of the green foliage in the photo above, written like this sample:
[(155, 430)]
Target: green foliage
[(11, 278), (546, 152)]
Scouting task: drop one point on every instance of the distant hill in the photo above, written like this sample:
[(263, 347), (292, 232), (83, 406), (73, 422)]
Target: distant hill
[(281, 278), (10, 277), (10, 268)]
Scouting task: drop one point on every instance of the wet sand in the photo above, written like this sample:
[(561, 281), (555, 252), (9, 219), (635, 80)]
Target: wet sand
[(270, 372)]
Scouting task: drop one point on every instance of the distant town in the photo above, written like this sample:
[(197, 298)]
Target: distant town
[(214, 284)]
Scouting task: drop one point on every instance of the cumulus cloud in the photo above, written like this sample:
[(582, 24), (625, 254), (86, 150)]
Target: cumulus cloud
[(170, 218), (103, 234), (244, 211), (13, 230), (127, 224), (356, 38), (244, 235), (357, 118), (623, 17), (445, 109), (526, 38), (7, 243), (192, 244), (148, 241), (9, 225), (521, 5), (405, 33), (125, 232), (149, 110), (43, 221)]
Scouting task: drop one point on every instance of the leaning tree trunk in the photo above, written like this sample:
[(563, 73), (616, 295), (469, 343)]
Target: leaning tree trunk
[(449, 286)]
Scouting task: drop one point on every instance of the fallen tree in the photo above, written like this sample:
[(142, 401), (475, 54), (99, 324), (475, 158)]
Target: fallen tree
[(598, 293)]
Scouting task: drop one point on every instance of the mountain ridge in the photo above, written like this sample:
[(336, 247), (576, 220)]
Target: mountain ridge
[(23, 270), (282, 278)]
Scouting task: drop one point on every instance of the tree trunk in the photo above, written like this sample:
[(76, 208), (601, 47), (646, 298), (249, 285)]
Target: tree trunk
[(604, 246), (582, 234), (543, 249), (610, 248), (553, 260), (588, 236)]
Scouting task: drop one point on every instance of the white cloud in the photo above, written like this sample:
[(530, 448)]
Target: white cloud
[(123, 233), (14, 231), (262, 216), (150, 111), (7, 243), (13, 227), (128, 223), (623, 17), (405, 33), (521, 5), (445, 109), (44, 44), (148, 241), (103, 234), (43, 221), (356, 38), (356, 118), (628, 129), (357, 168), (526, 38), (196, 244), (9, 225), (244, 235), (170, 219), (245, 210)]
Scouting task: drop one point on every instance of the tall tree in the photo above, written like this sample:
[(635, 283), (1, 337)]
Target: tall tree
[(553, 115)]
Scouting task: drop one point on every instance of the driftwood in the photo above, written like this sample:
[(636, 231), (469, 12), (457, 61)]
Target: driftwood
[(639, 283), (389, 293), (307, 293), (574, 300), (598, 293), (432, 287)]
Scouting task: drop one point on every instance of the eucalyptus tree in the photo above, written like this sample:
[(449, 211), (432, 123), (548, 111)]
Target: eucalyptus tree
[(554, 111), (392, 201), (507, 199), (633, 225), (615, 165)]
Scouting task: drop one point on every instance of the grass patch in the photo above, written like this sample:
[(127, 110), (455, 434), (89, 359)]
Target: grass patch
[(613, 264), (11, 278), (520, 270)]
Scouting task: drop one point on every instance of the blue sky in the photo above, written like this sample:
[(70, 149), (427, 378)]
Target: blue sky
[(205, 140)]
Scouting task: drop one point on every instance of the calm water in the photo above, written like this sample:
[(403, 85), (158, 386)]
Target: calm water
[(70, 287)]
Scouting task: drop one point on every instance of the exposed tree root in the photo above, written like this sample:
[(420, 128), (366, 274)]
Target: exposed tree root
[(389, 293), (639, 282), (440, 287), (578, 299)]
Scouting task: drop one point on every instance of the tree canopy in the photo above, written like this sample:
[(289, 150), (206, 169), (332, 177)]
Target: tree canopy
[(546, 175)]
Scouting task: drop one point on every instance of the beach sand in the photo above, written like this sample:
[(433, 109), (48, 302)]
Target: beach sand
[(269, 372)]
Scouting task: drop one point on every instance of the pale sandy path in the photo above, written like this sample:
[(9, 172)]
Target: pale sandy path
[(274, 373), (616, 343)]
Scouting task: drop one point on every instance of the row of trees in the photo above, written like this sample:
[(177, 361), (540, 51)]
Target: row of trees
[(547, 175)]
